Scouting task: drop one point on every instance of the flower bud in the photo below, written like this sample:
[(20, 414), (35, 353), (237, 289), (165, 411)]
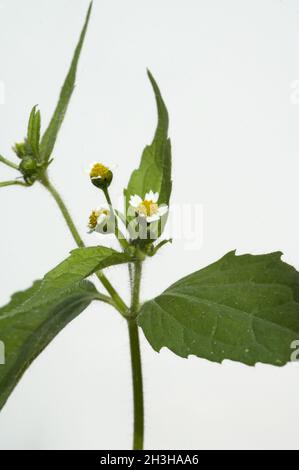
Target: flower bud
[(20, 149), (29, 169), (100, 175)]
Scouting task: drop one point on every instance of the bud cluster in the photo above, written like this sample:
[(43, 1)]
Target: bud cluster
[(28, 151)]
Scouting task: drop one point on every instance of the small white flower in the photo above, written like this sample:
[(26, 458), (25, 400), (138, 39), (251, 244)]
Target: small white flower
[(148, 207), (97, 218)]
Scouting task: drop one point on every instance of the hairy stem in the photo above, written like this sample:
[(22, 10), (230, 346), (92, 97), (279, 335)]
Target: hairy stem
[(136, 288), (136, 360), (66, 215), (137, 385)]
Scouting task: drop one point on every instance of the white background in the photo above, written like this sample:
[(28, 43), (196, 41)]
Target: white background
[(225, 69)]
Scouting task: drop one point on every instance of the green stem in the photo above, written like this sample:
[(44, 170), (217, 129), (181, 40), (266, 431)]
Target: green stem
[(136, 360), (137, 385), (11, 183), (104, 298), (119, 235), (136, 288), (67, 217), (118, 302), (9, 163)]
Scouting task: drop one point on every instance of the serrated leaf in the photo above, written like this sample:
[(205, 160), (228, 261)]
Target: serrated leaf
[(50, 135), (154, 172), (81, 263), (29, 322), (244, 308)]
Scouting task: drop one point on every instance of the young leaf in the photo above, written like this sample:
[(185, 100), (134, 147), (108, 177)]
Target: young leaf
[(154, 172), (244, 308), (33, 131), (27, 326), (50, 135)]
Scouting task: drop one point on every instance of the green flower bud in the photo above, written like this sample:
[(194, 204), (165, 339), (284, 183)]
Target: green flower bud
[(100, 175), (28, 167), (20, 149)]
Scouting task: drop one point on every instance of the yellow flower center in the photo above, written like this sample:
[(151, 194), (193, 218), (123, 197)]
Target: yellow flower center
[(93, 218), (99, 169), (147, 208)]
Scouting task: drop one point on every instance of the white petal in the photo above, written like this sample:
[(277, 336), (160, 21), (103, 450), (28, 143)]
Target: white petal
[(151, 196), (155, 197), (153, 218), (135, 200), (101, 218), (96, 177), (148, 196), (162, 210)]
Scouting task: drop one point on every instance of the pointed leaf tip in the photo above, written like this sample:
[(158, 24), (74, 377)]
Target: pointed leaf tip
[(154, 172), (49, 138)]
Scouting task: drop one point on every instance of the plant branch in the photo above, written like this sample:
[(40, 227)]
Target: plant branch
[(66, 215), (12, 183), (9, 163)]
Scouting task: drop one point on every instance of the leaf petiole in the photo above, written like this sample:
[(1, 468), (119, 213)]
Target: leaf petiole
[(12, 183)]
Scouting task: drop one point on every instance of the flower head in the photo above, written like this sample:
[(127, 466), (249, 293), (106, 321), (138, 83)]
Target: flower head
[(148, 207), (100, 175), (98, 218)]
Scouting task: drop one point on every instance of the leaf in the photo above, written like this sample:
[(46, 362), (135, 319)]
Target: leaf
[(154, 172), (50, 135), (33, 132), (33, 317), (27, 327), (244, 308), (81, 263)]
